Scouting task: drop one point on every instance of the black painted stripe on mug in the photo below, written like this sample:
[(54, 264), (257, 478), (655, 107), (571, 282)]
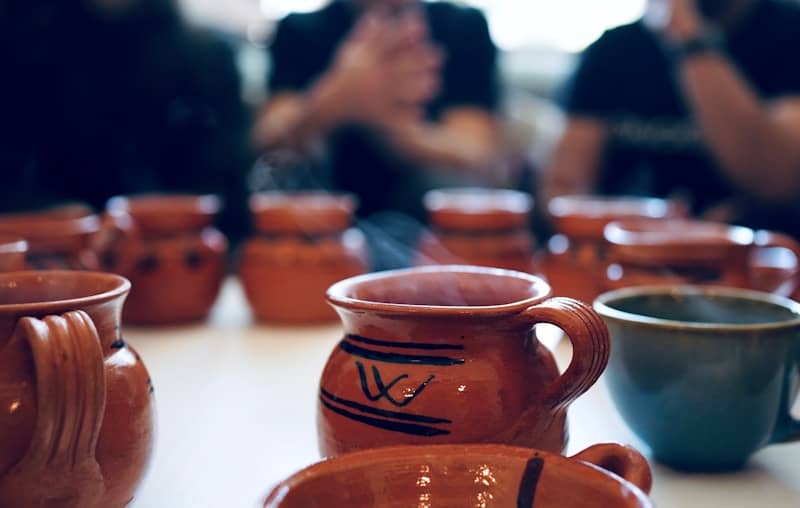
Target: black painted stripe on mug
[(382, 412), (392, 426), (441, 361), (530, 480), (405, 345)]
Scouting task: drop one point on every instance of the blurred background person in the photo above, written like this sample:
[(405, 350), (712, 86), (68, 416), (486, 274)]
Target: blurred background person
[(399, 95), (109, 97), (699, 100)]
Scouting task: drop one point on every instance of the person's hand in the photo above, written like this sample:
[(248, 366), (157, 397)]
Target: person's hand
[(676, 20), (386, 70)]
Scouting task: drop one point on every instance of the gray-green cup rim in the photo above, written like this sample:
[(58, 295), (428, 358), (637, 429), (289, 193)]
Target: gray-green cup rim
[(603, 305)]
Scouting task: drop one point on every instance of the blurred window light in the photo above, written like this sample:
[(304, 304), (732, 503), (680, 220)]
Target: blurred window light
[(566, 25)]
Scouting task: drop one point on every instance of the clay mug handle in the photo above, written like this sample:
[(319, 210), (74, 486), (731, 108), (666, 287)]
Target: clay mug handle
[(623, 461), (790, 285), (60, 463), (117, 233), (590, 347)]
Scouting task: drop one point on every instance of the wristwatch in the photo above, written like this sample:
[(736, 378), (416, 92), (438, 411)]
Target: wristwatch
[(710, 40)]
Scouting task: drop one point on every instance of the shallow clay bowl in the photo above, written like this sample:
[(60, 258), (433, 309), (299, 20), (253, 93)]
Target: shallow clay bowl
[(312, 212), (478, 209), (168, 213), (585, 216), (470, 475)]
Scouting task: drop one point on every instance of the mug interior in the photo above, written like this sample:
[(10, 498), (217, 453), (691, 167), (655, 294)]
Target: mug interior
[(443, 287), (710, 307), (31, 288)]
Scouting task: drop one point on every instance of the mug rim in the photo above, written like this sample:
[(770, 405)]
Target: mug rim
[(337, 294), (121, 288), (603, 306), (340, 464)]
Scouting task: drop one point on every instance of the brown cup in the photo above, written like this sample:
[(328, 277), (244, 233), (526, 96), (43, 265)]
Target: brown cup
[(446, 354), (12, 253), (652, 252), (484, 227), (576, 255), (303, 244), (603, 476), (172, 254), (58, 238), (78, 418)]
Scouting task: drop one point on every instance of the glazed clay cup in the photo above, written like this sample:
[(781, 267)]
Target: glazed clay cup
[(705, 376), (77, 422), (648, 252), (484, 227), (575, 261), (304, 243), (603, 476), (59, 238), (443, 355), (171, 253), (12, 253)]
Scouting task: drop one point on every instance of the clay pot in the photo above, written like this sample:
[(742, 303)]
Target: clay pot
[(12, 253), (303, 244), (445, 354), (77, 424), (58, 238), (651, 252), (172, 254), (484, 227), (603, 476), (576, 258)]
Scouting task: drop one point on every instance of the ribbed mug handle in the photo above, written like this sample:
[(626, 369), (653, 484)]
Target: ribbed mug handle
[(790, 285), (59, 466), (590, 347)]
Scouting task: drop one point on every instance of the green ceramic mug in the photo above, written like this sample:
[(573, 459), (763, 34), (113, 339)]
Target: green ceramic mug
[(705, 376)]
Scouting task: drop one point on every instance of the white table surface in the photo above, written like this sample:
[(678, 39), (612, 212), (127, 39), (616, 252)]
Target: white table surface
[(236, 405)]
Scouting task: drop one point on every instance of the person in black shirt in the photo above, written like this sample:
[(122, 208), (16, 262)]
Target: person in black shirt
[(392, 89), (698, 100), (108, 97)]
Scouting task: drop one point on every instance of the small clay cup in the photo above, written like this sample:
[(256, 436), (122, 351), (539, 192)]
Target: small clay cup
[(576, 256), (304, 242), (446, 355), (78, 418), (705, 376), (60, 238), (12, 253), (172, 254), (475, 226), (603, 476), (650, 252)]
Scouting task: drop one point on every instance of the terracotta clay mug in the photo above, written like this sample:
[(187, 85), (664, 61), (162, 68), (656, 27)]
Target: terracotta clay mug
[(576, 256), (77, 422), (448, 476), (484, 227), (61, 238), (647, 252), (446, 354), (171, 253), (304, 243), (704, 375), (12, 253)]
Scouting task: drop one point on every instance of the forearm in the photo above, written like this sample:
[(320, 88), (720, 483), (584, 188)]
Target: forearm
[(759, 155), (297, 121), (469, 145)]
